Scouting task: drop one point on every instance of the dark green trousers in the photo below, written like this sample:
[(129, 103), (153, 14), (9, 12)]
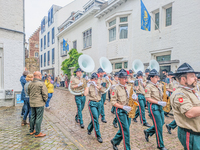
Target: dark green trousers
[(123, 133), (173, 124), (157, 115), (103, 99), (80, 103), (94, 110), (188, 140), (113, 111), (141, 108), (36, 119)]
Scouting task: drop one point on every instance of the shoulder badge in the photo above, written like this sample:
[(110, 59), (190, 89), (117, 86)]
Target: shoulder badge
[(180, 100), (113, 93), (145, 90)]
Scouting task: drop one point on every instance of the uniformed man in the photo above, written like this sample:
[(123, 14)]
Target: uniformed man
[(185, 102), (139, 87), (171, 87), (114, 83), (94, 104), (198, 83), (119, 99), (77, 83), (153, 95), (102, 82), (146, 75), (130, 78)]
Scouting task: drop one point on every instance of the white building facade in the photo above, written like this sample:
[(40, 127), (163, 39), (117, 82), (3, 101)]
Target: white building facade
[(113, 29), (12, 52), (48, 51)]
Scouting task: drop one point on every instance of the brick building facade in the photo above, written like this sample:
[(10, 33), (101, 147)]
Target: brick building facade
[(34, 44)]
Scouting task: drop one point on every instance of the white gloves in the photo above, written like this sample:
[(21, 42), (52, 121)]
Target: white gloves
[(91, 82), (131, 81), (106, 77), (163, 104), (80, 84), (86, 78), (127, 108), (88, 84), (134, 96)]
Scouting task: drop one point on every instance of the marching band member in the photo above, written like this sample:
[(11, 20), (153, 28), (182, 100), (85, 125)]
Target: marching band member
[(185, 102), (94, 93), (77, 83), (102, 81), (114, 83), (120, 99), (146, 75), (139, 86), (153, 95), (171, 87), (130, 77)]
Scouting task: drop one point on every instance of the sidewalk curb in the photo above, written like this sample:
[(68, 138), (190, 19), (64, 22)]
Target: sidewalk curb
[(56, 122)]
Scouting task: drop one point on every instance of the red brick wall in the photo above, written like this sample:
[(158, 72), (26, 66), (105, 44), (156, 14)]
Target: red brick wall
[(33, 40)]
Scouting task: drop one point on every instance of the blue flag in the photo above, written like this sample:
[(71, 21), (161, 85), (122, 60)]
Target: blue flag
[(145, 18), (65, 45)]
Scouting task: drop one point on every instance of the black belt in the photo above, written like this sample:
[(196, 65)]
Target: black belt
[(190, 131), (79, 95), (95, 101), (139, 94)]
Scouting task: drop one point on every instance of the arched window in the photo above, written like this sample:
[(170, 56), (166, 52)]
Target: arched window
[(36, 54)]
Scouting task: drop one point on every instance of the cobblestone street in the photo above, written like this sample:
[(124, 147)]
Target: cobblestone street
[(64, 108), (13, 136)]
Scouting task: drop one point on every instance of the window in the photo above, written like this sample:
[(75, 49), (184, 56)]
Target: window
[(51, 15), (112, 23), (169, 16), (123, 29), (45, 42), (36, 45), (53, 61), (118, 65), (49, 18), (124, 19), (43, 26), (41, 44), (163, 58), (74, 45), (1, 68), (90, 6), (48, 58), (41, 60), (125, 65), (44, 59), (63, 53), (48, 39), (112, 34), (87, 38), (36, 54), (156, 21), (53, 40)]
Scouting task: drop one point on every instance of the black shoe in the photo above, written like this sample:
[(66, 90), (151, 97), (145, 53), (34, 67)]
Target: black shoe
[(99, 139), (168, 128), (146, 124), (114, 146), (104, 121), (146, 135), (163, 148), (134, 120), (115, 125), (89, 133), (82, 125)]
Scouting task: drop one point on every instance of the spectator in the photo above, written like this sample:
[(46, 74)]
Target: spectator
[(38, 95), (29, 78), (66, 81), (62, 80), (58, 81), (49, 84), (23, 82), (44, 77)]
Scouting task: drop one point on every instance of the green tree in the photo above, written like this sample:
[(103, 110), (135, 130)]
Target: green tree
[(72, 61)]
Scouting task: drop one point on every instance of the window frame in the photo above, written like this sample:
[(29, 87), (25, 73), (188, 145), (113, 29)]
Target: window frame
[(41, 64), (48, 39), (35, 54), (48, 58), (75, 47), (53, 56), (167, 25), (120, 25), (87, 37), (44, 59), (41, 43), (157, 23), (44, 41), (53, 35)]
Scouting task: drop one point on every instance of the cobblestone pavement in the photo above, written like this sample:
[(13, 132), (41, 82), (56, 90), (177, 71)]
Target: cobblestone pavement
[(14, 136), (64, 108)]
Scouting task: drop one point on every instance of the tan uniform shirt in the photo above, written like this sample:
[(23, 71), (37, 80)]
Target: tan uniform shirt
[(144, 79), (198, 86), (172, 85), (75, 81), (140, 89), (183, 100), (114, 82), (101, 80), (95, 94), (119, 95), (151, 91)]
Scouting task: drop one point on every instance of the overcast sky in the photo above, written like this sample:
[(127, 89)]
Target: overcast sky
[(35, 10)]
